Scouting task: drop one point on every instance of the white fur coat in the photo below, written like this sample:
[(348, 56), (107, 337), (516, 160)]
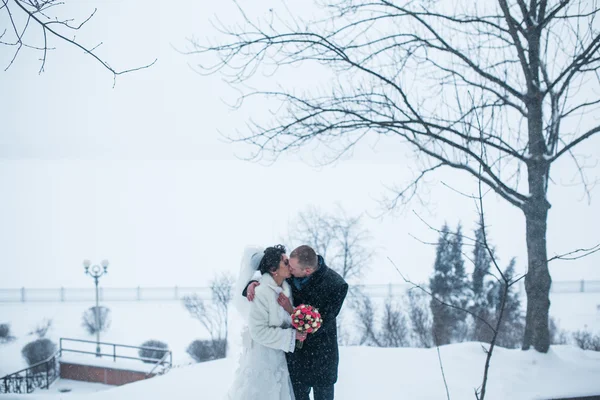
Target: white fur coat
[(270, 325)]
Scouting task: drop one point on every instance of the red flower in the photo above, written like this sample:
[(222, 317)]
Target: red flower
[(307, 315)]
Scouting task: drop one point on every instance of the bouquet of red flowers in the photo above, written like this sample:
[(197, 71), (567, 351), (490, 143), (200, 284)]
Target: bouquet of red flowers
[(306, 319)]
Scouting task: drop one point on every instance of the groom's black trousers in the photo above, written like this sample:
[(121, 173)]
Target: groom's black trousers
[(319, 392)]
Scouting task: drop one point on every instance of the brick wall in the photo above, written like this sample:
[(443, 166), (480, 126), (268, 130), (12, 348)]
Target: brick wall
[(108, 376)]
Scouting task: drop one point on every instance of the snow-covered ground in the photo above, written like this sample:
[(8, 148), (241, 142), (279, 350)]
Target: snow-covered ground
[(375, 373), (63, 388), (371, 372)]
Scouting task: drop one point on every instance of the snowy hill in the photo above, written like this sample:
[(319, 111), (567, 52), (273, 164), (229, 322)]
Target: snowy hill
[(375, 373)]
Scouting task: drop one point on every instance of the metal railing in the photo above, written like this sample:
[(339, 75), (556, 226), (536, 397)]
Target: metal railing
[(159, 363), (44, 373), (40, 375), (162, 362), (177, 293)]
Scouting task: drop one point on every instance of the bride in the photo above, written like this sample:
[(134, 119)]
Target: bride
[(263, 373)]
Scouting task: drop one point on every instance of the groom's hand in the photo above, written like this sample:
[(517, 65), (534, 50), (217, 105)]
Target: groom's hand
[(251, 291)]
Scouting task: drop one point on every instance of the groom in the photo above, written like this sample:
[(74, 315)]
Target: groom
[(315, 365)]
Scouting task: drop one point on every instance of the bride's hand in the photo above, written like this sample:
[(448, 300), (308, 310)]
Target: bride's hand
[(284, 302), (301, 336)]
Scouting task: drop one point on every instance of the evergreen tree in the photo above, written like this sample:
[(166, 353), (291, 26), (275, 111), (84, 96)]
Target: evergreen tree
[(480, 288), (482, 262), (440, 287), (482, 295), (461, 292), (450, 285)]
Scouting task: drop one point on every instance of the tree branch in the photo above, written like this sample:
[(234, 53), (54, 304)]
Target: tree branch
[(575, 142), (47, 27), (576, 254)]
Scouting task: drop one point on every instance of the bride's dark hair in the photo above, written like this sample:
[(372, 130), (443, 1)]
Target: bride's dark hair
[(271, 259)]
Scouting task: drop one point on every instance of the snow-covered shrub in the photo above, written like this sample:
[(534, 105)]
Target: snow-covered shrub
[(91, 325), (37, 351), (5, 335), (151, 355), (207, 350), (586, 340)]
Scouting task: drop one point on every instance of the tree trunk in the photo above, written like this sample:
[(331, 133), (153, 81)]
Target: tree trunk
[(537, 281)]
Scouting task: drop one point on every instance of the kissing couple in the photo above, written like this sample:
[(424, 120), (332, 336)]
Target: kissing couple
[(278, 361)]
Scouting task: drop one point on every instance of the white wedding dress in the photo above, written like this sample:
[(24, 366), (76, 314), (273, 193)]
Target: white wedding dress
[(262, 373)]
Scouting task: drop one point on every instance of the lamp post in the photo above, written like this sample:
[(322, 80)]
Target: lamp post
[(95, 271)]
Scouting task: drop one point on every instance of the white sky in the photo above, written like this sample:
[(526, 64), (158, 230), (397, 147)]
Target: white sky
[(139, 175)]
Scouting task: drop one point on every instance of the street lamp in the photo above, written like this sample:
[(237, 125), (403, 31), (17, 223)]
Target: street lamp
[(95, 271)]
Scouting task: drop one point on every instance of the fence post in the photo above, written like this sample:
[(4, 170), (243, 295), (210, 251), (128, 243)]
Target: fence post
[(139, 293), (23, 295), (28, 386), (62, 294), (176, 293), (582, 287), (114, 352)]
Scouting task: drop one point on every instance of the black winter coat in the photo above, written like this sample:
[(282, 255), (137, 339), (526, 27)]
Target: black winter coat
[(316, 363)]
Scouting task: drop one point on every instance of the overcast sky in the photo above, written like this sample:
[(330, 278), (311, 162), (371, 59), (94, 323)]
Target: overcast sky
[(139, 174)]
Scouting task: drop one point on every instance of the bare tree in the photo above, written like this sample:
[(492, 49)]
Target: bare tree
[(96, 319), (213, 316), (365, 320), (505, 282), (391, 330), (448, 80), (313, 227), (42, 328), (340, 238), (35, 24), (221, 288), (420, 318), (394, 328), (495, 327)]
